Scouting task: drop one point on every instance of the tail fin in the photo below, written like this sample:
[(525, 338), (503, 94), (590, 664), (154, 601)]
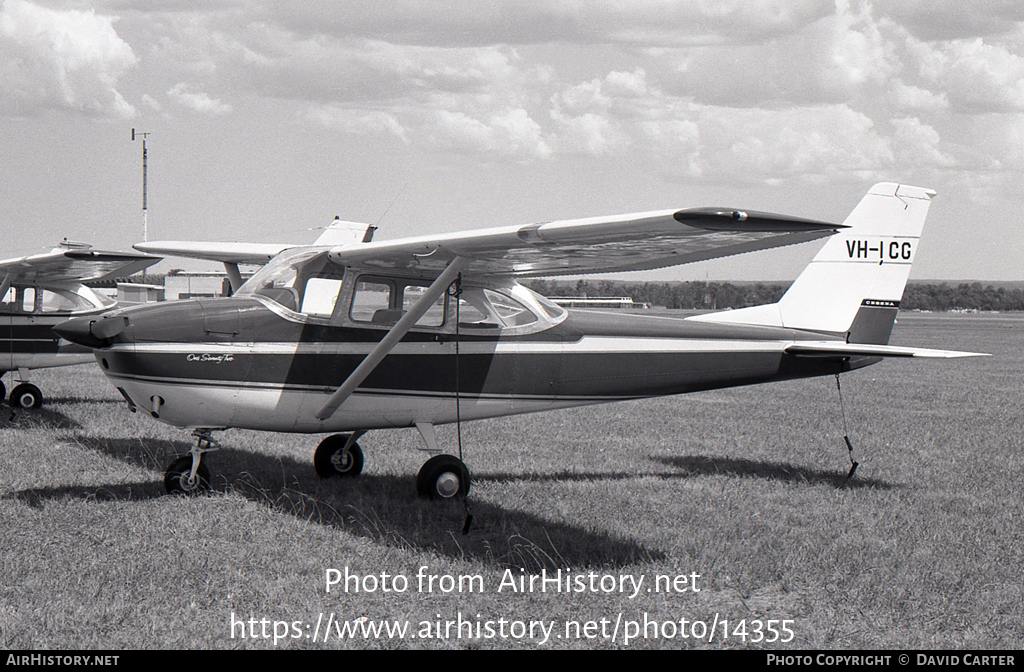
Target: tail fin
[(855, 283), (341, 232)]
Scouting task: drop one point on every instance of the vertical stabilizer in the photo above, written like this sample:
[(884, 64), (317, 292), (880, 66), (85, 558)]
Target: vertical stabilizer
[(855, 283), (341, 232)]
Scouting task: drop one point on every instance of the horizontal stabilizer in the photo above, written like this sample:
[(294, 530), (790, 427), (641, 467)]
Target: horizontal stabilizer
[(837, 349)]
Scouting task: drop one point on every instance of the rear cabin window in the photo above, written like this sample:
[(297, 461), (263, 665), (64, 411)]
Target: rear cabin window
[(63, 301), (483, 308)]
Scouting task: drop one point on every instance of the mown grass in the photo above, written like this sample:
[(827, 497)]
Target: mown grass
[(745, 487)]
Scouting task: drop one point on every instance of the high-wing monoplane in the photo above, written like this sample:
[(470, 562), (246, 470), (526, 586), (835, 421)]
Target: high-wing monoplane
[(358, 335), (42, 290)]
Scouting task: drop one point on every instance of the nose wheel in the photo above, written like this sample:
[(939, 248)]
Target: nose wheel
[(178, 478), (187, 475)]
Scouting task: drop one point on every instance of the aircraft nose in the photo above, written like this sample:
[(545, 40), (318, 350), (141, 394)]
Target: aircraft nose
[(92, 332)]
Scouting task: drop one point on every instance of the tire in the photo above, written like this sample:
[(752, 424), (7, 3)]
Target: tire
[(443, 477), (3, 391), (176, 477), (26, 395), (331, 460)]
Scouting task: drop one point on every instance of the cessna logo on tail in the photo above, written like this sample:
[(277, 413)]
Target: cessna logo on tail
[(895, 250)]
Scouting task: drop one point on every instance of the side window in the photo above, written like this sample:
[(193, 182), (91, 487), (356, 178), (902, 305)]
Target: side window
[(434, 317), (20, 300), (386, 300), (371, 302), (320, 296)]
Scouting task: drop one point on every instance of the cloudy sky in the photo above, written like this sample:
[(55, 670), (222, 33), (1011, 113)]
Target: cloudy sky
[(267, 119)]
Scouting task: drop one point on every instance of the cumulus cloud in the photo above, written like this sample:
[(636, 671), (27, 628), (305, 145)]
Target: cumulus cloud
[(61, 59), (529, 22), (953, 19), (356, 121), (735, 90), (197, 101), (511, 133), (984, 77)]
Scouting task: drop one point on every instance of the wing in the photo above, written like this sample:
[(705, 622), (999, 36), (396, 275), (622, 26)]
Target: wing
[(338, 233), (76, 265), (634, 242), (228, 253)]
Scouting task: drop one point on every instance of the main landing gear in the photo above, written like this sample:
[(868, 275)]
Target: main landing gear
[(441, 477), (24, 394), (339, 455)]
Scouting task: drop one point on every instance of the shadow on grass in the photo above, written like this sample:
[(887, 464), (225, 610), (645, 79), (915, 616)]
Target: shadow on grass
[(382, 508), (728, 466), (79, 399), (36, 497), (38, 418)]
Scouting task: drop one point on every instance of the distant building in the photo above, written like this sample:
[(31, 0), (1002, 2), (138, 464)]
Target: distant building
[(133, 293), (195, 285)]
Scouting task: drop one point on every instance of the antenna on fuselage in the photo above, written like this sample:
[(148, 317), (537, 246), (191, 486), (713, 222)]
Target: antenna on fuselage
[(145, 211)]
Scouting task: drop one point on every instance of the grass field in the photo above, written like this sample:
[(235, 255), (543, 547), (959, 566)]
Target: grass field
[(745, 487)]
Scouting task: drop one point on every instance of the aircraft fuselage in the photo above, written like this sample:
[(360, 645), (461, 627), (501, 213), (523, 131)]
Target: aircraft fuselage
[(237, 363)]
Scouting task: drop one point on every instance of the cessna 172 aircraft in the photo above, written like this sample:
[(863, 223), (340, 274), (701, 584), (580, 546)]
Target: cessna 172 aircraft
[(42, 290), (358, 335)]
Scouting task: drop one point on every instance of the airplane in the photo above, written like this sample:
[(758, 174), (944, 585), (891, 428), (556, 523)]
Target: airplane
[(43, 290), (357, 335)]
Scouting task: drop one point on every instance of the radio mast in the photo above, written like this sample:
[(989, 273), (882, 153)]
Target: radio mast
[(145, 213)]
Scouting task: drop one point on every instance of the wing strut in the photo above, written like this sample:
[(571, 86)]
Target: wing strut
[(436, 289), (234, 275)]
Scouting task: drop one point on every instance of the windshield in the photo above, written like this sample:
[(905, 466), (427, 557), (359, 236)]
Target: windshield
[(303, 281)]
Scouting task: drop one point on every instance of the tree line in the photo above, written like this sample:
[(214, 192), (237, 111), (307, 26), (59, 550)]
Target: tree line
[(722, 295)]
